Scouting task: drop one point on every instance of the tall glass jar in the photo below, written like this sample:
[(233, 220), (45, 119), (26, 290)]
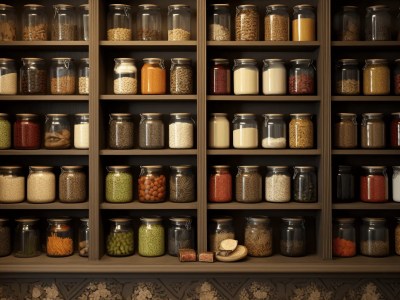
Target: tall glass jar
[(83, 237), (119, 22), (149, 22), (72, 184), (219, 134), (151, 131), (347, 24), (274, 131), (5, 132), (181, 76), (221, 228), (180, 235), (374, 237), (151, 237), (33, 76), (346, 131), (373, 131), (41, 185), (274, 77), (277, 184), (247, 23), (60, 238), (301, 131), (64, 23), (293, 237), (125, 76), (245, 77), (5, 237), (378, 23), (27, 132), (394, 130), (396, 184), (374, 186), (277, 23), (154, 77), (120, 239), (258, 236), (83, 22), (57, 131), (152, 184), (181, 131), (8, 21), (305, 184), (396, 73), (179, 18), (81, 131), (12, 184), (120, 131), (302, 77), (304, 23), (344, 238), (220, 184), (397, 237), (245, 131), (8, 76), (347, 77), (376, 77), (83, 77), (219, 23), (62, 76), (119, 184), (27, 238), (345, 184), (182, 185), (220, 77), (248, 184), (34, 23)]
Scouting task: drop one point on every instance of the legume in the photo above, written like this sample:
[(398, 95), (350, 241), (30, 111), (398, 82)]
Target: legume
[(120, 135), (181, 81), (119, 186), (301, 133), (72, 185), (120, 243), (178, 34), (181, 135), (151, 240), (152, 188), (5, 133), (119, 34), (258, 241), (12, 189)]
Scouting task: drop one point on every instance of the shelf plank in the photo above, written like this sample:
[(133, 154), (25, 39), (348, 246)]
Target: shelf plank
[(265, 98), (46, 206), (264, 152), (150, 206), (149, 152), (368, 44), (366, 206), (265, 45), (46, 44), (151, 45), (149, 97), (44, 98), (366, 98), (366, 152), (44, 152), (265, 205)]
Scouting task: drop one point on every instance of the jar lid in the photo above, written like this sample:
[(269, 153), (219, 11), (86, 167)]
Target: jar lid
[(84, 6), (348, 115), (376, 61), (304, 167), (85, 59), (377, 7), (82, 115), (222, 219), (152, 60), (372, 115), (301, 61), (398, 59), (263, 219), (373, 167), (5, 7), (301, 6), (27, 220), (220, 61), (148, 6), (3, 220), (121, 115), (275, 6), (396, 167), (182, 219), (35, 59), (378, 220), (183, 60), (245, 115), (57, 115), (151, 219), (245, 6), (348, 61), (273, 116), (177, 6), (34, 6), (293, 219), (345, 220), (41, 168), (395, 114), (62, 6), (84, 220), (273, 60), (120, 220), (10, 168), (219, 114), (61, 58), (6, 60), (3, 115), (245, 60), (151, 114), (155, 167), (27, 116), (120, 6), (181, 167), (277, 167), (248, 167), (224, 5), (118, 168), (59, 220), (220, 167), (126, 59), (180, 114), (72, 168), (301, 115)]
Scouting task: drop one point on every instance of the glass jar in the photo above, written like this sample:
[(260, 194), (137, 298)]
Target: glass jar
[(72, 184), (8, 22), (119, 22), (397, 237), (219, 134), (373, 131), (8, 76), (347, 24), (247, 23), (83, 77), (304, 184), (154, 77), (274, 131), (245, 77), (344, 238), (83, 22), (378, 23), (245, 131), (220, 77), (62, 74), (33, 76), (41, 185), (179, 18), (152, 184), (60, 238), (274, 77), (27, 238), (301, 131), (293, 237), (120, 131), (302, 77), (396, 74), (151, 237), (181, 131), (83, 237), (345, 184), (34, 23), (276, 23), (81, 131), (119, 184), (151, 131), (374, 237), (396, 184), (220, 184), (5, 238), (221, 228), (374, 184), (181, 76), (182, 185), (27, 132), (303, 23), (347, 77), (5, 132), (12, 184), (180, 235), (394, 130), (376, 77), (120, 239), (149, 22), (258, 236), (346, 131), (219, 23), (64, 23), (125, 76), (57, 131), (248, 184), (277, 184)]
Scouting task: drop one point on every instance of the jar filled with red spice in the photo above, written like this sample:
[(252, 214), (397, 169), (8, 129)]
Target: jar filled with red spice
[(344, 237), (220, 77), (220, 184), (27, 132), (374, 184), (302, 77), (395, 130)]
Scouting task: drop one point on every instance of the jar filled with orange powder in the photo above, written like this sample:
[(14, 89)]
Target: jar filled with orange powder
[(153, 77)]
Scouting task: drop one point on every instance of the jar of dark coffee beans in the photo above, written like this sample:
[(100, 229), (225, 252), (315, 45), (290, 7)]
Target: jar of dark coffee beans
[(120, 131), (33, 76), (151, 131), (182, 184)]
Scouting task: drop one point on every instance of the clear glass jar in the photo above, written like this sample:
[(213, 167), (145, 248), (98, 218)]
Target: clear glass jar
[(219, 133), (248, 184), (33, 76), (119, 22), (181, 76), (247, 23), (180, 235), (179, 18), (396, 75), (304, 23), (5, 237), (376, 77), (62, 76), (293, 237), (8, 21), (274, 131), (12, 184), (258, 236), (301, 131), (120, 239), (72, 184), (181, 131), (277, 23), (344, 238), (119, 184), (152, 184), (154, 77), (274, 77), (34, 23), (8, 76), (346, 131), (83, 237), (27, 132), (182, 185), (347, 77), (125, 76), (347, 24), (120, 131), (81, 131), (27, 238), (220, 184), (220, 77), (394, 130), (221, 228), (396, 184), (219, 23), (302, 77), (57, 132), (41, 185), (151, 237), (373, 131), (63, 23), (60, 238), (378, 23), (245, 131), (345, 184), (83, 77), (397, 237), (374, 237), (151, 131), (149, 22), (83, 22), (304, 184), (245, 77), (277, 184), (5, 132), (374, 186)]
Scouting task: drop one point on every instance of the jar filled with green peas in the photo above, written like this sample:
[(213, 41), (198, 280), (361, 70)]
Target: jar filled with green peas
[(120, 240), (5, 132), (151, 236), (119, 184)]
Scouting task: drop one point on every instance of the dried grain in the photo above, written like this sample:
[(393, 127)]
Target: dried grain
[(178, 34), (258, 241), (276, 28), (125, 86), (247, 25), (277, 188), (119, 34), (217, 32), (181, 81)]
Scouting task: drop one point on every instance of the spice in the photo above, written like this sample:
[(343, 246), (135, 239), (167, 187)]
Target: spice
[(277, 188), (301, 131), (182, 184), (376, 77), (119, 184), (217, 32), (373, 131), (181, 79), (151, 131), (343, 247), (35, 32), (63, 32), (373, 188), (181, 135), (375, 248), (220, 77), (276, 27), (5, 238), (258, 238), (5, 132), (152, 184), (220, 185), (26, 132), (12, 185), (178, 34), (119, 34), (248, 185), (301, 84), (151, 237), (120, 243), (120, 131), (346, 131), (247, 23), (7, 31), (303, 29), (63, 85), (153, 77), (72, 184), (41, 185), (33, 81), (8, 84)]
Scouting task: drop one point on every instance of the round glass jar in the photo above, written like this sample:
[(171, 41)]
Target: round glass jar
[(219, 23), (248, 184), (83, 77), (219, 133), (120, 131), (41, 185), (119, 22), (396, 73), (119, 184), (397, 237), (83, 22), (83, 237), (152, 184), (125, 76), (301, 131), (344, 238), (345, 184), (394, 130), (347, 77), (304, 184), (5, 238), (347, 24), (151, 237), (220, 77), (373, 131), (245, 77), (179, 19), (220, 184), (221, 228), (345, 131), (378, 23), (27, 238), (180, 235), (8, 21), (34, 23), (148, 23), (274, 77), (64, 23), (120, 239), (72, 184), (81, 131), (274, 131), (277, 23), (151, 131), (8, 76), (5, 132), (181, 76), (376, 77), (304, 23), (182, 185), (245, 131), (374, 186), (302, 77), (181, 131), (57, 132), (62, 76), (396, 184), (277, 184), (258, 236), (293, 237), (154, 77), (374, 238), (27, 132), (33, 77), (247, 23), (60, 238), (12, 184)]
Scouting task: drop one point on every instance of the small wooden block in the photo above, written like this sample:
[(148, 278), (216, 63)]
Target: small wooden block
[(187, 255), (206, 257)]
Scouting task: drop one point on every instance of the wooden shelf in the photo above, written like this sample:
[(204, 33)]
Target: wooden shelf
[(264, 205), (44, 152), (45, 45), (367, 44), (151, 206), (149, 97), (265, 45), (264, 152), (265, 98), (150, 45), (46, 206), (367, 206), (44, 98), (366, 152), (366, 98), (149, 152)]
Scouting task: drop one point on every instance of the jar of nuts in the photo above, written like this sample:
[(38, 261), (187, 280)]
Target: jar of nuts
[(64, 24), (301, 131), (125, 76), (62, 76), (33, 76), (149, 22), (302, 77), (376, 77), (219, 26), (34, 23), (119, 22), (179, 18), (83, 77), (7, 23), (181, 76), (152, 184), (347, 77), (276, 23)]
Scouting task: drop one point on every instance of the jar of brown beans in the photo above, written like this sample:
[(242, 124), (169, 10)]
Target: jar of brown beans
[(152, 184)]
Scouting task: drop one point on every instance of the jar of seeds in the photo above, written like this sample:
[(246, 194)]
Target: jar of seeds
[(83, 77), (8, 23), (149, 22), (41, 185), (83, 237), (347, 25), (119, 22), (221, 228), (219, 23), (151, 131), (125, 76), (258, 236), (33, 76), (152, 184), (180, 235), (347, 77), (345, 186), (301, 131), (120, 240), (181, 131), (374, 237), (304, 184), (27, 238), (12, 184), (8, 76), (62, 75), (34, 23), (248, 184), (83, 22), (182, 185), (247, 23), (151, 237), (119, 184), (179, 18), (276, 23), (5, 132), (293, 237), (63, 24), (373, 131), (345, 136), (5, 237), (376, 77), (72, 184), (181, 76), (57, 132), (277, 184), (120, 131), (378, 23)]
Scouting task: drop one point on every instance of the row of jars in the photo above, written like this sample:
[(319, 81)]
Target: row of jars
[(36, 78), (58, 133), (66, 23), (148, 22), (153, 77), (374, 237), (373, 131), (376, 77), (275, 80), (280, 185), (373, 184), (60, 239)]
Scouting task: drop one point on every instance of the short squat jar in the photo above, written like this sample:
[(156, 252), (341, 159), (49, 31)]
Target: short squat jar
[(220, 185), (301, 131), (62, 76), (258, 236), (245, 77), (81, 131), (247, 23), (248, 184), (221, 228), (151, 131), (378, 23), (120, 239), (33, 77), (219, 77), (302, 77), (376, 77), (181, 76), (60, 238), (119, 22), (119, 184), (374, 237), (148, 23), (374, 184), (347, 24), (34, 23), (274, 77), (125, 76), (372, 131), (154, 76), (277, 23), (72, 184), (304, 23), (41, 185), (27, 238), (64, 23), (5, 237), (278, 184), (274, 131), (179, 18), (8, 23), (182, 185), (347, 77), (83, 76), (304, 184), (5, 132), (293, 237), (344, 238), (83, 23), (152, 184), (27, 135), (345, 135), (12, 184), (181, 131), (151, 237), (345, 184), (83, 237), (120, 131), (57, 133), (180, 235), (219, 133), (219, 23), (245, 131), (394, 130), (8, 76)]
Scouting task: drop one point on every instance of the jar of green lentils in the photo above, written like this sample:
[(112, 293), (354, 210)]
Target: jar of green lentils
[(120, 240), (151, 236), (5, 132), (119, 184)]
